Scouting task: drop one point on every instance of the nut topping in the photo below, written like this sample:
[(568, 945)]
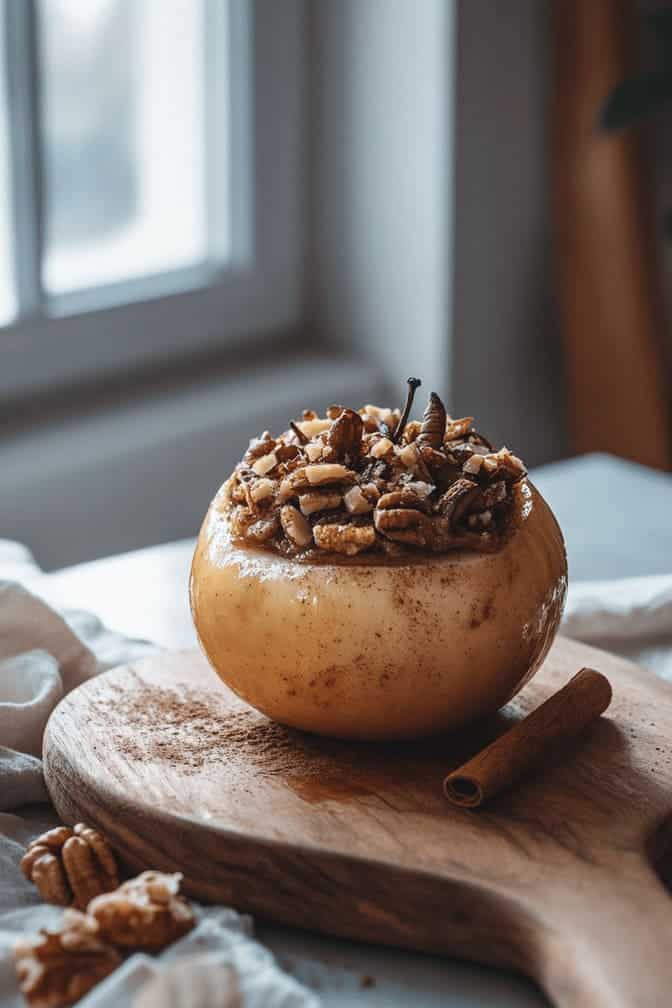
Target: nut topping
[(347, 539), (328, 473), (265, 464), (456, 500), (144, 913), (456, 429), (295, 526), (356, 502), (57, 968), (404, 525), (70, 866), (372, 481), (345, 434), (319, 500)]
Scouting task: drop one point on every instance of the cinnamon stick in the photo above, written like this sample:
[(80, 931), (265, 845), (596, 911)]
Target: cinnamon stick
[(523, 748)]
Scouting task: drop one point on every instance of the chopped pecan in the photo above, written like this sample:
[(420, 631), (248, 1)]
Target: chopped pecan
[(57, 968), (479, 440), (311, 428), (333, 412), (258, 447), (357, 502), (433, 423), (265, 463), (321, 473), (345, 434), (411, 431), (504, 465), (403, 498), (456, 429), (259, 490), (376, 416), (455, 502), (314, 450), (295, 526), (286, 452), (240, 519), (405, 525), (262, 530), (70, 866), (347, 539), (472, 465), (145, 913), (432, 458), (317, 474), (380, 448), (319, 500), (493, 494)]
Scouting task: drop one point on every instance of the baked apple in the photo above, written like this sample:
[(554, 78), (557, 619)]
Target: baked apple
[(362, 576)]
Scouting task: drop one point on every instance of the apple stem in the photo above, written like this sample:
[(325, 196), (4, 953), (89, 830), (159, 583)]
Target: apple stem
[(413, 384)]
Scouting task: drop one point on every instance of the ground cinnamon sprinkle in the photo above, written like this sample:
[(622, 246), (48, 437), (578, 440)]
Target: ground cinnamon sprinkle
[(191, 728)]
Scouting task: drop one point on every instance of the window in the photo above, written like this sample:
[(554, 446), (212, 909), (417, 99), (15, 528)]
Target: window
[(138, 140), (132, 129)]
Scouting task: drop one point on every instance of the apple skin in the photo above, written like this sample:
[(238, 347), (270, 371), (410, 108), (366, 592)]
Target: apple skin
[(380, 651)]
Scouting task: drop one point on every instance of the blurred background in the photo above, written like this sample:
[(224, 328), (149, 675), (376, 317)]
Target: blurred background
[(214, 213)]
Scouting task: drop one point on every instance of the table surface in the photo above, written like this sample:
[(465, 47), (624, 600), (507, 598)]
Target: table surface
[(599, 501)]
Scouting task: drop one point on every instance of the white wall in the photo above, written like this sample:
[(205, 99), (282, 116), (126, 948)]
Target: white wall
[(430, 246), (380, 74), (507, 361)]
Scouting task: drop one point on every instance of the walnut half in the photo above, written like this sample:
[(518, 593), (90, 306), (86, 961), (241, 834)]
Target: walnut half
[(70, 866), (57, 968), (144, 913)]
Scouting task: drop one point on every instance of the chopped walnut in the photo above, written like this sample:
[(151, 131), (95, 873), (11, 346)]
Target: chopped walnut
[(57, 968), (261, 490), (473, 464), (456, 429), (380, 448), (400, 484), (263, 530), (356, 501), (346, 539), (317, 475), (265, 464), (70, 866), (145, 913), (295, 526)]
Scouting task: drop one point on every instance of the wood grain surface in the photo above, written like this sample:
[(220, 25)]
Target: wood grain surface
[(555, 879)]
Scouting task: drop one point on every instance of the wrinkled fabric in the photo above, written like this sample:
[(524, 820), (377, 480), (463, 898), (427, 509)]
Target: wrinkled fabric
[(631, 617), (43, 655)]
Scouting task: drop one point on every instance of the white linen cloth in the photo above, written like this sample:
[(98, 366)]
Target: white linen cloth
[(44, 654)]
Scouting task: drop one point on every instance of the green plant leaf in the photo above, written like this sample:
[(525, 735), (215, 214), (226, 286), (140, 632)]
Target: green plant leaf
[(635, 98)]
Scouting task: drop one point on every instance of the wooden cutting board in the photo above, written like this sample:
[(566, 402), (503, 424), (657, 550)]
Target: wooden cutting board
[(554, 879)]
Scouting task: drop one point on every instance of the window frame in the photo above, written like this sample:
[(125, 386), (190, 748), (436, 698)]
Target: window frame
[(69, 338)]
